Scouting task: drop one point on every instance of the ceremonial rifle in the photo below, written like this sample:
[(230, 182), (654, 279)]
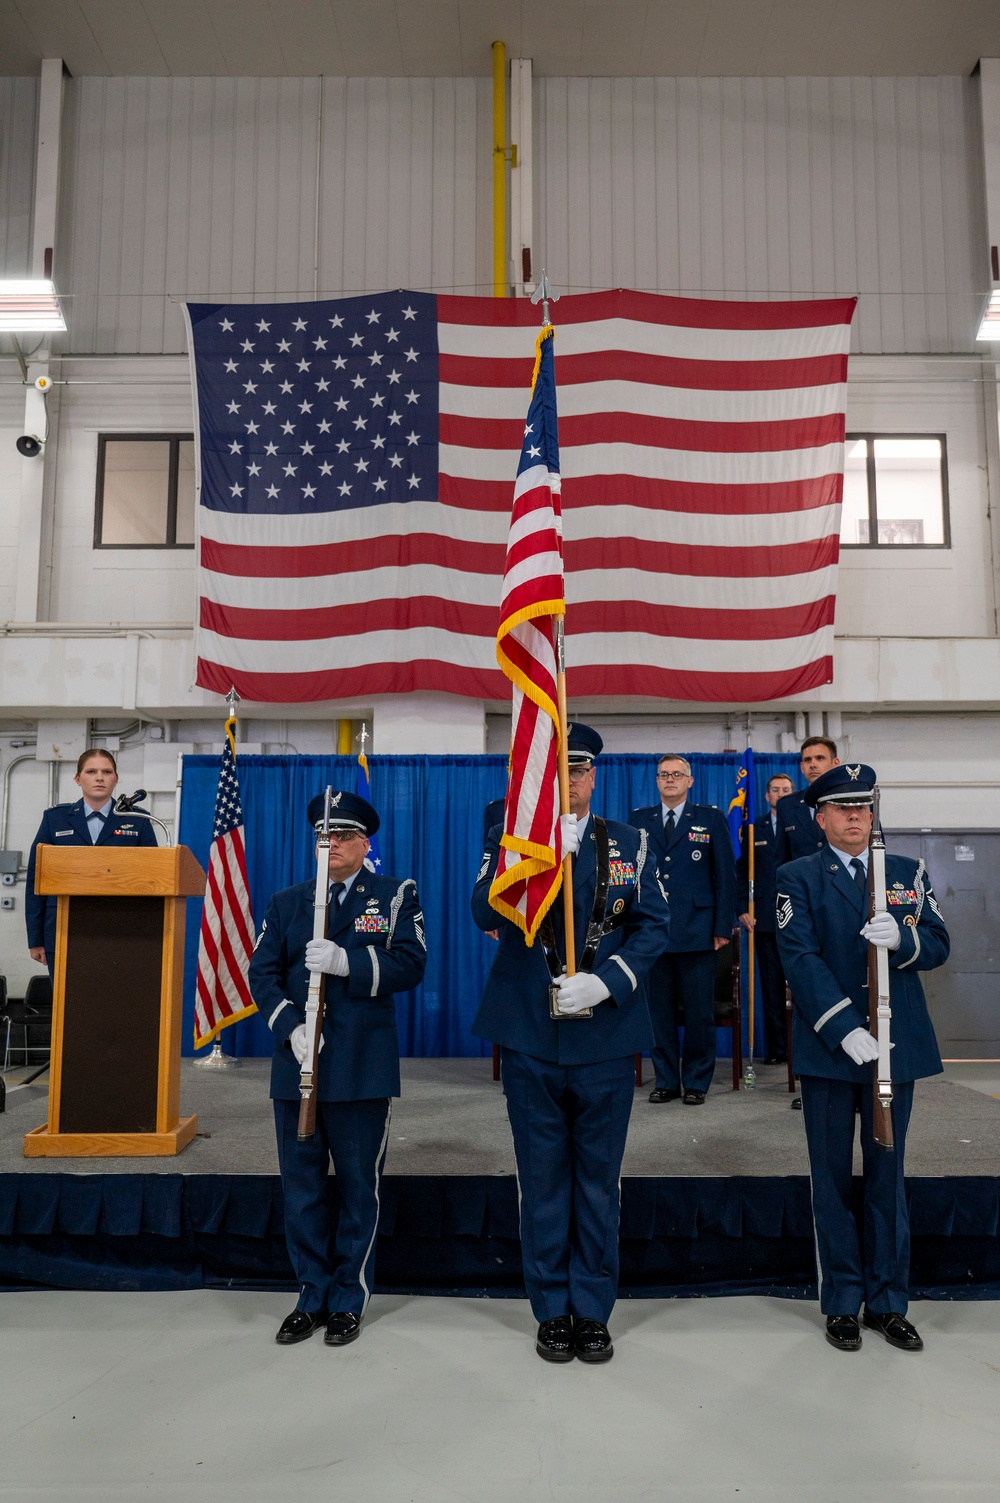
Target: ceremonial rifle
[(317, 983), (879, 1012)]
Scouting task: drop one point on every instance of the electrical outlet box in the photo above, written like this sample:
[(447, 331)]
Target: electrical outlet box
[(7, 902), (10, 861)]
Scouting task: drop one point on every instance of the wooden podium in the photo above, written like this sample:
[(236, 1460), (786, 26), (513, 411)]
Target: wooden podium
[(114, 1080)]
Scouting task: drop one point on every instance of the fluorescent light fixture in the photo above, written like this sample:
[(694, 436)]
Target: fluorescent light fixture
[(990, 326), (29, 305)]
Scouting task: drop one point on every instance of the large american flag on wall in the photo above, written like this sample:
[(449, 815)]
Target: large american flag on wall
[(356, 462)]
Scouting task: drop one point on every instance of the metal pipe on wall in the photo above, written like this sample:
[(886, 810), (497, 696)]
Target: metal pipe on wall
[(5, 807), (499, 170)]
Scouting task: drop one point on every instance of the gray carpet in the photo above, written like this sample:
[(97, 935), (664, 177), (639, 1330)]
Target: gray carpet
[(451, 1120)]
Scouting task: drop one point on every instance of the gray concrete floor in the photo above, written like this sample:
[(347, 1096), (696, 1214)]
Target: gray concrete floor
[(170, 1397)]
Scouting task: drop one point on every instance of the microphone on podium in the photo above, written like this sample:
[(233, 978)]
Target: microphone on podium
[(128, 801)]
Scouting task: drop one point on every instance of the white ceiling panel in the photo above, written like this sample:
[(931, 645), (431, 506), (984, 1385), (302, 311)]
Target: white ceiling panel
[(187, 39)]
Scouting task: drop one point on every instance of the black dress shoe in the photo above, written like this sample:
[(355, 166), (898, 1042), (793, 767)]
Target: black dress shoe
[(554, 1342), (660, 1095), (298, 1326), (592, 1341), (896, 1329), (843, 1332), (694, 1098), (342, 1327), (776, 1059)]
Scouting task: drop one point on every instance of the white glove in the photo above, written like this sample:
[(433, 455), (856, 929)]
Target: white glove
[(882, 930), (577, 993), (570, 832), (297, 1041), (324, 955), (861, 1047)]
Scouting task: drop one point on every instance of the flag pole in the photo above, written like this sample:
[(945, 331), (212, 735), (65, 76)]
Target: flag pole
[(750, 1074), (545, 295), (216, 1060), (567, 866)]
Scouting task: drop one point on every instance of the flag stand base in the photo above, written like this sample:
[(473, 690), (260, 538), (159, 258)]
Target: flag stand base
[(217, 1060)]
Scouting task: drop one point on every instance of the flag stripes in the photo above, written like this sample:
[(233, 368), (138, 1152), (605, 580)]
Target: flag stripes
[(701, 453)]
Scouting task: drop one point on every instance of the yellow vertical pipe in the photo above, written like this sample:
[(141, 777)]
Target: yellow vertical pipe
[(499, 170), (344, 738)]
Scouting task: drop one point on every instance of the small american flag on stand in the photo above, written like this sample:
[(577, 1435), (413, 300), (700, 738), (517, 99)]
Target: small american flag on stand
[(529, 872), (222, 993)]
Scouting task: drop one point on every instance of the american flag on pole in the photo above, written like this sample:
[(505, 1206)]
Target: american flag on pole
[(222, 993), (529, 873), (355, 459)]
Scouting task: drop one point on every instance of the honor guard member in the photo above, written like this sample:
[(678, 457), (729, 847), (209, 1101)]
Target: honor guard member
[(694, 852), (822, 905), (90, 821), (569, 1080), (374, 947), (492, 815), (798, 833), (772, 978)]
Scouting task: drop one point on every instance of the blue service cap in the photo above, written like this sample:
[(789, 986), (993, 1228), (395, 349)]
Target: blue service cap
[(850, 783), (348, 811), (583, 744)]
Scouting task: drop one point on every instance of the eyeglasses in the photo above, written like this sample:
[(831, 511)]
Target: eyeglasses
[(671, 777), (577, 774), (344, 837)]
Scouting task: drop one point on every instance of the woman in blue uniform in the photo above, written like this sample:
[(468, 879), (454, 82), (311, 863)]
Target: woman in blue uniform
[(90, 821)]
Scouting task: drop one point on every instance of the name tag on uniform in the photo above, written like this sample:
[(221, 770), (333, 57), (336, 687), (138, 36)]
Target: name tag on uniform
[(621, 873), (371, 923), (62, 834), (700, 835)]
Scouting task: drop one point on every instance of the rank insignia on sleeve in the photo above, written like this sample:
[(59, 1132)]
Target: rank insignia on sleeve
[(485, 866), (783, 910)]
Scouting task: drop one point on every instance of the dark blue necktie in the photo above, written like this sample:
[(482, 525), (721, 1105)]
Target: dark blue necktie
[(669, 824), (860, 875), (336, 893)]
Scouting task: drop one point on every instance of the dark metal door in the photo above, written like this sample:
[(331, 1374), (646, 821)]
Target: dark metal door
[(964, 995)]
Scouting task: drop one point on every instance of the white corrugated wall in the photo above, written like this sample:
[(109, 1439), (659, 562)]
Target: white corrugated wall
[(771, 187), (18, 128), (229, 188)]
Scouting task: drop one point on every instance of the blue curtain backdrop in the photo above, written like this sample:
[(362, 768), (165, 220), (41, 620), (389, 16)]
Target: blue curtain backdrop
[(432, 826)]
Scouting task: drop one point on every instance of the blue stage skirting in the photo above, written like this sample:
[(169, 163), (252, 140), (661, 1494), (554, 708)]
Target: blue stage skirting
[(458, 1234)]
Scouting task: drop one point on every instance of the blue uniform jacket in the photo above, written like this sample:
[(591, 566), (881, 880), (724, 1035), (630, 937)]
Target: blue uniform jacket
[(820, 912), (765, 845), (381, 927), (514, 1011), (699, 873), (66, 824), (798, 832)]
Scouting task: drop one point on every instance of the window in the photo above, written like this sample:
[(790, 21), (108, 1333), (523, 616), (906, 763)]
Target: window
[(895, 491), (145, 491)]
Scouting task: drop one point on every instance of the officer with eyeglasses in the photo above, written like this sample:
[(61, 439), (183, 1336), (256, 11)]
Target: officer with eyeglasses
[(695, 857), (374, 947)]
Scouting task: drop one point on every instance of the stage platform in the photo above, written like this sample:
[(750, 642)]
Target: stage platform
[(715, 1199)]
